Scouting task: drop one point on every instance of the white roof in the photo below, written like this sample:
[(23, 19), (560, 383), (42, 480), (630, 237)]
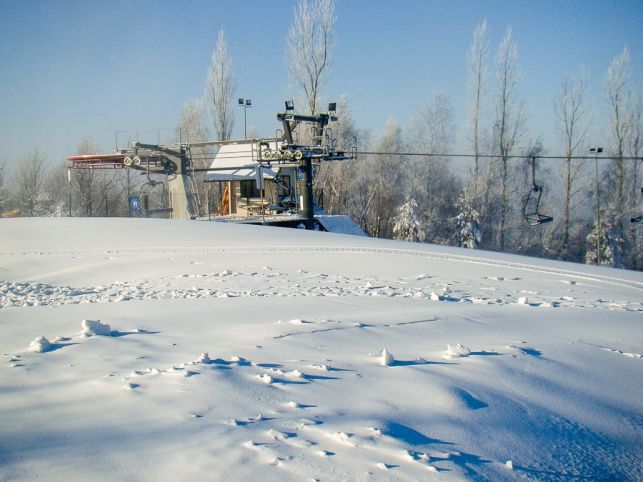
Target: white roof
[(238, 162), (340, 224)]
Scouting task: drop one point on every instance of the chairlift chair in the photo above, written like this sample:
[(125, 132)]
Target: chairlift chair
[(531, 208)]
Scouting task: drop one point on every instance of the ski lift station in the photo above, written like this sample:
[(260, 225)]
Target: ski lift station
[(262, 181)]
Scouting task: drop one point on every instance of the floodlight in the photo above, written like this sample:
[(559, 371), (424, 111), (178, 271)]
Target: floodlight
[(248, 103), (241, 102), (332, 107), (290, 105)]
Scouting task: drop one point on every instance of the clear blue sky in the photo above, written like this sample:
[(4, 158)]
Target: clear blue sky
[(76, 69)]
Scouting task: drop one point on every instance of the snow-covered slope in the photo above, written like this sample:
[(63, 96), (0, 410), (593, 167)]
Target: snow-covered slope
[(229, 352)]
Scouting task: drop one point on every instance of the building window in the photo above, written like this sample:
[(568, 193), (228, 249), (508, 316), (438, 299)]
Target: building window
[(249, 189)]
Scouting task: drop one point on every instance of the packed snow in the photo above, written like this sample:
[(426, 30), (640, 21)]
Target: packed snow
[(141, 349)]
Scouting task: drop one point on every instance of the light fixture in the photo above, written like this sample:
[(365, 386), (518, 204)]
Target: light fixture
[(332, 107), (245, 103), (290, 105)]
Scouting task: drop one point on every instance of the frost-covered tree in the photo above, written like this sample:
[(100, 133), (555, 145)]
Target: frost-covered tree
[(509, 125), (466, 223), (601, 243), (376, 190), (621, 177), (478, 73), (85, 182), (406, 224), (192, 130), (30, 185), (636, 151), (57, 188), (431, 182), (4, 193), (334, 180), (219, 90), (573, 122), (310, 42)]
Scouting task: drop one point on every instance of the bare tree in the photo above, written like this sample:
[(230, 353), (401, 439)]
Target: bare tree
[(84, 181), (30, 181), (334, 179), (430, 180), (191, 130), (376, 193), (477, 60), (220, 89), (509, 122), (571, 111), (57, 188), (635, 150), (4, 194), (310, 41), (621, 105)]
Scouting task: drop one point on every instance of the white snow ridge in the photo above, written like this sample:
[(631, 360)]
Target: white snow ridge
[(376, 372)]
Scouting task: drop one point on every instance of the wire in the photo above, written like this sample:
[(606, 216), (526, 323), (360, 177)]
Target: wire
[(487, 156)]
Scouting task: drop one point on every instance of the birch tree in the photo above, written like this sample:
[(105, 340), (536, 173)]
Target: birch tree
[(571, 112), (378, 187), (509, 123), (308, 54), (85, 182), (219, 90), (191, 130), (636, 151), (334, 179), (430, 180), (477, 61), (620, 177)]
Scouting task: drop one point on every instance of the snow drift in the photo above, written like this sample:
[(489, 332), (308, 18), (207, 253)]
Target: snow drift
[(199, 377)]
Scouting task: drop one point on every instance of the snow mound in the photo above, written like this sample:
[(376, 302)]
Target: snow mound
[(39, 345), (458, 350), (95, 327), (204, 359), (387, 358)]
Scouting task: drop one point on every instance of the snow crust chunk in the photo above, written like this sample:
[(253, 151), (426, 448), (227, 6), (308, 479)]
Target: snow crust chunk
[(95, 327), (39, 345)]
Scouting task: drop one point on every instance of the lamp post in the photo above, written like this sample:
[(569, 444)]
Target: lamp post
[(596, 151), (246, 104)]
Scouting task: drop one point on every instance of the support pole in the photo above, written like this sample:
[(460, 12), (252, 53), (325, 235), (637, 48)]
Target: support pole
[(69, 182), (306, 194), (598, 216)]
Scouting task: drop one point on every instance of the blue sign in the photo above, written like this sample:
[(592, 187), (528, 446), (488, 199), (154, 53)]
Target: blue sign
[(135, 204)]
